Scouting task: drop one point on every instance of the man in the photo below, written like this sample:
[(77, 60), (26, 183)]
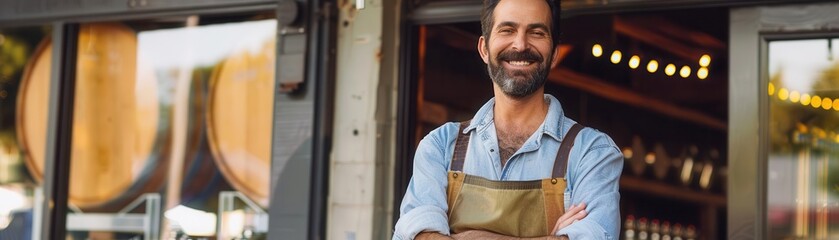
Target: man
[(502, 175)]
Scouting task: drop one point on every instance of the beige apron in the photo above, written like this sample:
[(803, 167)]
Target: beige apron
[(511, 208)]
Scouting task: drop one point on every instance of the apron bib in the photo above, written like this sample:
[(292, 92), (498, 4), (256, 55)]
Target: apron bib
[(511, 208)]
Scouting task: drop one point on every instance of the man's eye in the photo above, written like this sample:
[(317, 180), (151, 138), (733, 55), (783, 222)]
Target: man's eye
[(505, 31), (541, 34)]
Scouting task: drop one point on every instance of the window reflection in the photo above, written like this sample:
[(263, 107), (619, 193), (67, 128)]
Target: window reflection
[(172, 119), (803, 177), (18, 187)]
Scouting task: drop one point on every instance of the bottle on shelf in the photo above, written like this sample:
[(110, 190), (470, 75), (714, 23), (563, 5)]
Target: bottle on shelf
[(665, 230), (637, 162), (662, 162), (689, 161), (677, 232), (642, 229), (706, 176), (654, 230), (690, 233), (629, 228)]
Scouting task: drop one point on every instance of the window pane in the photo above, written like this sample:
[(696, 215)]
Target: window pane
[(24, 55), (803, 178), (175, 115)]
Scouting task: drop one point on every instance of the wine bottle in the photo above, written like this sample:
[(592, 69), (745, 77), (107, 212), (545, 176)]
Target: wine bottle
[(654, 230), (688, 163), (690, 233), (629, 228), (662, 162), (665, 230), (637, 162), (677, 232), (642, 229), (706, 177)]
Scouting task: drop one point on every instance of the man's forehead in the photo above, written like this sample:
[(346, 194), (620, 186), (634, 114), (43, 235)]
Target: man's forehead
[(522, 12)]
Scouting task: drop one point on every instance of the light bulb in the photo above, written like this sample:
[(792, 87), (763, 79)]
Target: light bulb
[(670, 69), (597, 50), (616, 57), (652, 66), (705, 60)]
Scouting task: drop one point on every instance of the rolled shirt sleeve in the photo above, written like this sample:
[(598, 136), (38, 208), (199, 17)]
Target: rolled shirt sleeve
[(424, 206), (595, 182)]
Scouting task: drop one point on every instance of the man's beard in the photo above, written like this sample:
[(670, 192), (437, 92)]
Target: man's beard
[(518, 83)]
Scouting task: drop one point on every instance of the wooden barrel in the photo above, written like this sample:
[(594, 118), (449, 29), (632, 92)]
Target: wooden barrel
[(239, 125), (202, 179), (119, 135)]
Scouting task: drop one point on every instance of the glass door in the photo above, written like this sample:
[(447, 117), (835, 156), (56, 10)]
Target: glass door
[(784, 89), (803, 163)]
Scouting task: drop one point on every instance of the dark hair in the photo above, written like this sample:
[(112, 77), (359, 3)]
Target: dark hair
[(487, 20)]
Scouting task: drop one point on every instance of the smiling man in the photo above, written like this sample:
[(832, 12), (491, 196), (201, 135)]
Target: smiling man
[(519, 168)]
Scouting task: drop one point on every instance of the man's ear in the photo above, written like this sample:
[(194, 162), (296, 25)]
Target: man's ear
[(482, 49), (555, 58)]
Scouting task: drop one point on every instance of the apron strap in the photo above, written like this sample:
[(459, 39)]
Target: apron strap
[(460, 146), (561, 163)]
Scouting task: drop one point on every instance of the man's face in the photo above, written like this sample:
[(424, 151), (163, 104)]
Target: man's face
[(520, 52)]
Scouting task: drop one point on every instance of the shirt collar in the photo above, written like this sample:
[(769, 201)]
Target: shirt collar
[(552, 125)]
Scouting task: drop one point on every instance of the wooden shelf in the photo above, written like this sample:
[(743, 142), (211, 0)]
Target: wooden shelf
[(660, 189)]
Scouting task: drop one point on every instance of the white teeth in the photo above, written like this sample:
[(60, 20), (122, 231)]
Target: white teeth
[(519, 63)]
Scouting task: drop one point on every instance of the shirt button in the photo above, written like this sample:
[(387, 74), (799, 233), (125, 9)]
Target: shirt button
[(492, 150)]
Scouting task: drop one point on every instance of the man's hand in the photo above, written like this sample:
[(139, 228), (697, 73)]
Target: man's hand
[(575, 213), (478, 234), (432, 236)]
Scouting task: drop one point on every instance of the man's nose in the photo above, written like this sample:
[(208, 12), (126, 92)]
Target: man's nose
[(520, 41)]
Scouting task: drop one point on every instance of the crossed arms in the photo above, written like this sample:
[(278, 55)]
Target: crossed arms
[(595, 164)]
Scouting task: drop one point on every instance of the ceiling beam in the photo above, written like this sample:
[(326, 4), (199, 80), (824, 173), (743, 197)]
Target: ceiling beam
[(570, 78), (646, 35)]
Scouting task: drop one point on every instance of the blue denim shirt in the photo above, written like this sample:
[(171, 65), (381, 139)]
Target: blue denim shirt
[(594, 167)]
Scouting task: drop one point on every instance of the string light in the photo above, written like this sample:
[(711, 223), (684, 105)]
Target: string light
[(685, 72), (597, 50), (783, 94), (652, 67), (805, 99), (705, 60), (634, 61), (670, 69), (794, 96), (702, 73), (815, 101), (616, 57)]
